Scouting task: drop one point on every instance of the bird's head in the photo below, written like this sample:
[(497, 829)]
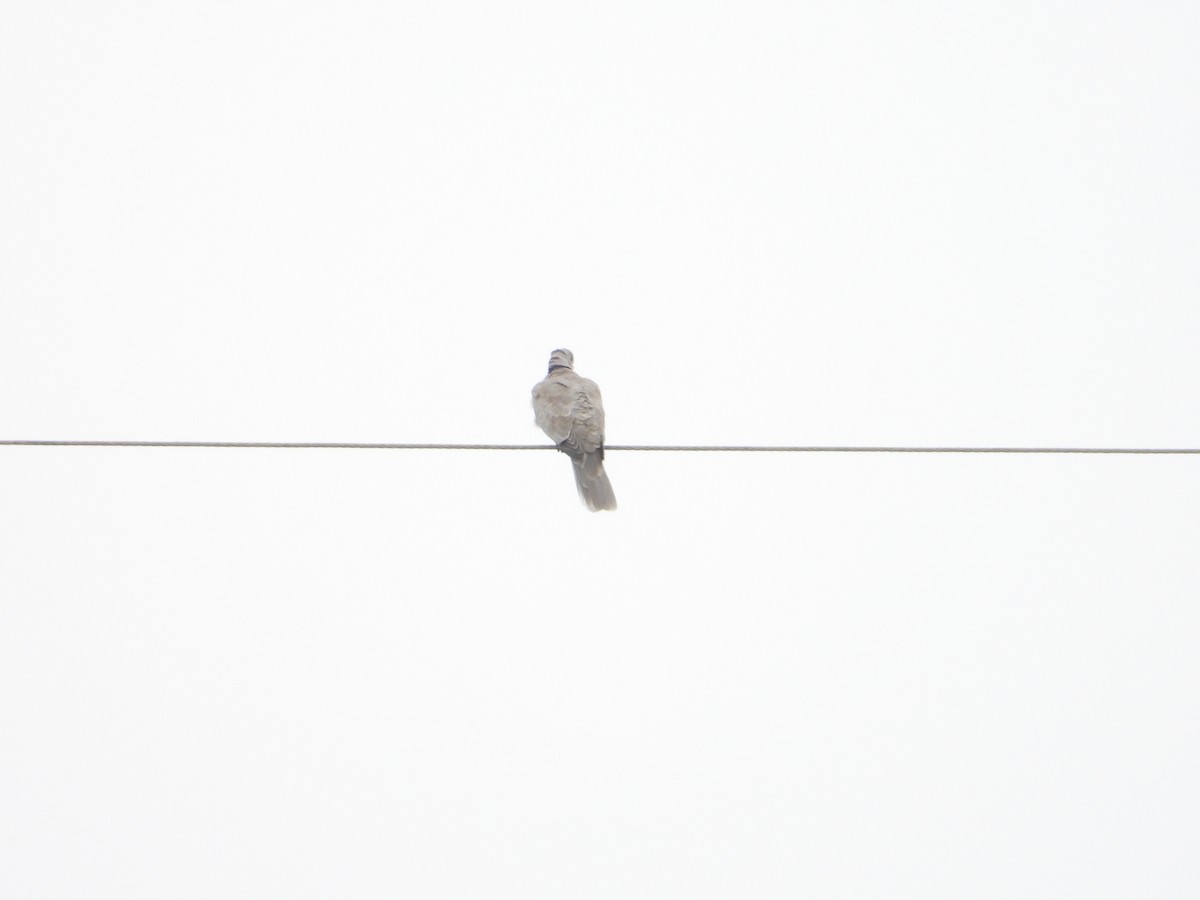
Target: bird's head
[(562, 359)]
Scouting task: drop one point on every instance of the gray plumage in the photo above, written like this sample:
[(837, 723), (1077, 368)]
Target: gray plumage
[(568, 408)]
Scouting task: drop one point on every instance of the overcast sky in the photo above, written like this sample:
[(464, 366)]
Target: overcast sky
[(320, 673)]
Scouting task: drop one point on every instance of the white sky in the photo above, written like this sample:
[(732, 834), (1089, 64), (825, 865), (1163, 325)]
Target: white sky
[(312, 674)]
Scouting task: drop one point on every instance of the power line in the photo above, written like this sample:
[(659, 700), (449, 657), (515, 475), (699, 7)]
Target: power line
[(271, 445), (915, 449)]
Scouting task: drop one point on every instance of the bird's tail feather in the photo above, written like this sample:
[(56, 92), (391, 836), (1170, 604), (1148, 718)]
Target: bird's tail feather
[(594, 487)]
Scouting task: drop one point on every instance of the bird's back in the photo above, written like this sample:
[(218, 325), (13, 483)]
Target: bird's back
[(566, 405)]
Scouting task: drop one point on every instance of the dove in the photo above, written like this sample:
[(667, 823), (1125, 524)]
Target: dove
[(568, 408)]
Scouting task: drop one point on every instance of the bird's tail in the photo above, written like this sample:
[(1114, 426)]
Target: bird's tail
[(594, 487)]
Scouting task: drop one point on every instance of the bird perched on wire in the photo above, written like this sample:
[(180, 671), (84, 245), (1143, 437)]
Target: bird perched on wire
[(568, 408)]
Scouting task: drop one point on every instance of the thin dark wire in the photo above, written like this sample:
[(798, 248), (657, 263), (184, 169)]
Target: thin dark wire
[(618, 447)]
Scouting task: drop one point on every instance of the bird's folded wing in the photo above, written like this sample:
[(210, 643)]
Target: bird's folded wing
[(553, 409)]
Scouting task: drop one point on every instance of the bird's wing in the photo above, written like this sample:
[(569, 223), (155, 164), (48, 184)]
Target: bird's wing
[(589, 417), (553, 408)]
